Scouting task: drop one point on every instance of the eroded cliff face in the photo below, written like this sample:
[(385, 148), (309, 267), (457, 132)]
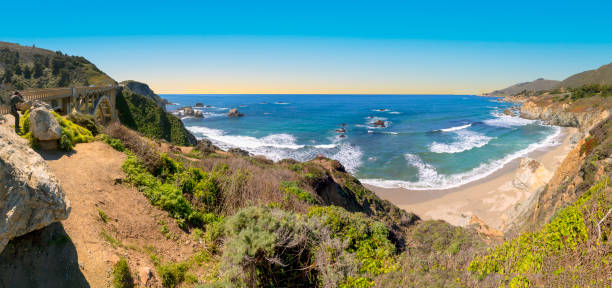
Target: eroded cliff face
[(583, 114), (30, 195)]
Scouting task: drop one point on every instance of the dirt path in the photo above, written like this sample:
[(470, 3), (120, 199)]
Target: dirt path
[(89, 176)]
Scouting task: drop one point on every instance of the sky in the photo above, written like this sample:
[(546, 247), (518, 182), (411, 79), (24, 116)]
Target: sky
[(380, 47)]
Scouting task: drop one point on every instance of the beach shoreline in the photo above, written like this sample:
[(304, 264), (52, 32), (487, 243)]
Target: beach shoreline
[(488, 198)]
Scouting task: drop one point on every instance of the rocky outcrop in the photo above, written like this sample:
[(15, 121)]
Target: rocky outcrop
[(531, 175), (379, 123), (581, 114), (43, 125), (234, 113), (144, 90), (30, 196)]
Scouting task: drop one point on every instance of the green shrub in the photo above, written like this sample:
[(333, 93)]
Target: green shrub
[(86, 121), (71, 133), (292, 188), (266, 245), (367, 238), (122, 278), (113, 142), (172, 274), (527, 252)]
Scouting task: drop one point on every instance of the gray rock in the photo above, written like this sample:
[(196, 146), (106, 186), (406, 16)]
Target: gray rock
[(30, 195), (43, 125)]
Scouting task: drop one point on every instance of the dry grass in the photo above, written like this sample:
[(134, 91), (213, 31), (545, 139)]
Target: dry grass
[(136, 143), (248, 181)]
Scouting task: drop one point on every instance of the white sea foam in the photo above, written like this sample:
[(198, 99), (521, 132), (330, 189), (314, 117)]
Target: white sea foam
[(507, 121), (282, 146), (395, 112), (466, 140), (429, 178), (454, 128), (326, 146)]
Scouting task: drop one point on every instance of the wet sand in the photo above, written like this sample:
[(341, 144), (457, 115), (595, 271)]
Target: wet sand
[(489, 198)]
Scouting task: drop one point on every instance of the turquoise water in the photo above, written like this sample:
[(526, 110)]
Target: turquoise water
[(428, 142)]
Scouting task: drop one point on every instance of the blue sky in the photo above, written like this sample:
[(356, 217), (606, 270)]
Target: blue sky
[(323, 46)]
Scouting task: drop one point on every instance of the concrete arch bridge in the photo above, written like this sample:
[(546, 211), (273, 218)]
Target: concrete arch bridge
[(96, 101)]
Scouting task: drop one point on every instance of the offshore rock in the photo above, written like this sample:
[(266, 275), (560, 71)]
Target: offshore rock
[(234, 113), (30, 195)]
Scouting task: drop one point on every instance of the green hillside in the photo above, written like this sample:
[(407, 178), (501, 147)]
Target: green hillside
[(144, 115), (23, 67)]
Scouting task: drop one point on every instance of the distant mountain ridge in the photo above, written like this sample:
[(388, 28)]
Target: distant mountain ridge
[(533, 86), (601, 75)]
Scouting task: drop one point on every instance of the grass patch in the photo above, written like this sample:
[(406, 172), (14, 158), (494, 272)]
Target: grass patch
[(102, 216)]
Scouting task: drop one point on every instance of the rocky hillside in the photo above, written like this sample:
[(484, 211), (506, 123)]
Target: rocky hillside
[(144, 90), (533, 86), (560, 110), (601, 76), (23, 67)]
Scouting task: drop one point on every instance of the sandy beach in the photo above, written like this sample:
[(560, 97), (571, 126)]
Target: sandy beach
[(489, 198)]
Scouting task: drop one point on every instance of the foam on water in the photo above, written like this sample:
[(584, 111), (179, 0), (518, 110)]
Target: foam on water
[(466, 140), (507, 121), (429, 178), (454, 128), (282, 146)]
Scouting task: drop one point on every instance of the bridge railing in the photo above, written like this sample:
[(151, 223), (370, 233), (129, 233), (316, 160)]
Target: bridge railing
[(4, 109), (46, 93)]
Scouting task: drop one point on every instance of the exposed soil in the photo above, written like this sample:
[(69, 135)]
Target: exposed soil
[(91, 178)]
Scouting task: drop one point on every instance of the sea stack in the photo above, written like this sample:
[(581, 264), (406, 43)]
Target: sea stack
[(234, 113)]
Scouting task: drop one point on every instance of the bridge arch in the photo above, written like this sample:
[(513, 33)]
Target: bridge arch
[(103, 111)]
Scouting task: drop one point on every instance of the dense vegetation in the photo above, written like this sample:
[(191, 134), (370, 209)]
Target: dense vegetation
[(147, 117), (591, 90), (71, 132), (27, 67)]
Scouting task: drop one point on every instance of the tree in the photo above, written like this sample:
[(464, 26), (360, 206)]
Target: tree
[(38, 69), (27, 72)]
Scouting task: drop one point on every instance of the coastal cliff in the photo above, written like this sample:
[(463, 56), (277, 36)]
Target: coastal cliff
[(554, 110)]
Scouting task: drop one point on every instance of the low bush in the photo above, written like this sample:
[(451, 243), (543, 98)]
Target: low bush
[(71, 133), (172, 274), (86, 121), (292, 188), (113, 142), (531, 253), (122, 277)]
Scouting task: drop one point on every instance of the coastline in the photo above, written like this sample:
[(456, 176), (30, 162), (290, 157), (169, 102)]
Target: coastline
[(489, 198)]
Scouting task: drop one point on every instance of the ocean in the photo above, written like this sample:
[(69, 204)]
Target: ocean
[(427, 142)]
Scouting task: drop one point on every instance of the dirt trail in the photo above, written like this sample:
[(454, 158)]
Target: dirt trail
[(90, 178)]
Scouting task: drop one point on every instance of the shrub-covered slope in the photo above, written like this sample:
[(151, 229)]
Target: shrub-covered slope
[(23, 67), (147, 117)]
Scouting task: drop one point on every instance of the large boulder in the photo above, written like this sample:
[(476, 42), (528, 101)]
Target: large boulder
[(30, 195), (43, 125), (531, 175)]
